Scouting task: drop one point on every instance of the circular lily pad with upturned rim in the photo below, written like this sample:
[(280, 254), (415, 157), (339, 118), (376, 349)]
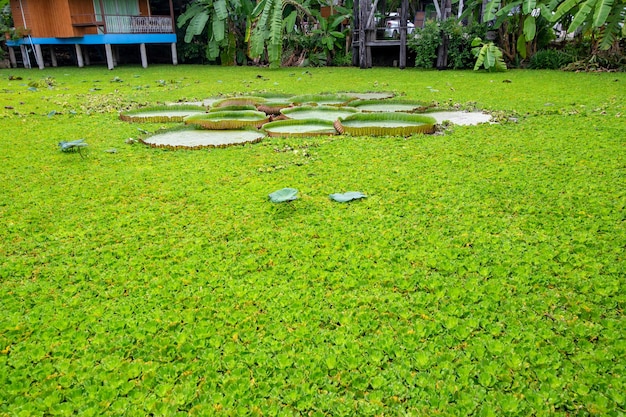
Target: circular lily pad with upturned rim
[(391, 105), (461, 118), (190, 137), (161, 114), (385, 124), (323, 99), (299, 128), (372, 95), (238, 101), (224, 120), (243, 107), (330, 113)]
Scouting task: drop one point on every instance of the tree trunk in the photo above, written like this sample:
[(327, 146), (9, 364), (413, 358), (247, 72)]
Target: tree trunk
[(442, 51)]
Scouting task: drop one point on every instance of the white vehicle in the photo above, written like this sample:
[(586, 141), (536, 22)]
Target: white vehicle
[(392, 27)]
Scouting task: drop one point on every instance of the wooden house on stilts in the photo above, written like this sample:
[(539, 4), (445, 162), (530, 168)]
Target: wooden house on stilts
[(87, 23)]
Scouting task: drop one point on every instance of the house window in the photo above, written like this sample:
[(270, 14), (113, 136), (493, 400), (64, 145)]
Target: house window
[(117, 14), (117, 7)]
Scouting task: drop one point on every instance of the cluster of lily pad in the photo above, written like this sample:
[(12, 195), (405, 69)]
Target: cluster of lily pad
[(247, 119)]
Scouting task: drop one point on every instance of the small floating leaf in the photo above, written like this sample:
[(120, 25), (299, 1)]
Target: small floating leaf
[(348, 196), (285, 194)]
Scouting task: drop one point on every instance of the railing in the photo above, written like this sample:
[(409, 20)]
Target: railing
[(126, 24)]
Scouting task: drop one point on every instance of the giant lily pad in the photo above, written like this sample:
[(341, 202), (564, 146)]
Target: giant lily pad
[(460, 117), (272, 98), (329, 113), (299, 128), (323, 99), (385, 124), (385, 106), (347, 196), (283, 195), (371, 95), (190, 137), (221, 120), (238, 101), (162, 114), (242, 107)]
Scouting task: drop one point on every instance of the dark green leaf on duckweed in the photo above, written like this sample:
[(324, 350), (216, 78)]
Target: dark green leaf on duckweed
[(286, 194), (348, 196)]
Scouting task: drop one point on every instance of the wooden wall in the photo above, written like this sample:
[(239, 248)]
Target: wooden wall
[(144, 7), (48, 18), (83, 7), (51, 18)]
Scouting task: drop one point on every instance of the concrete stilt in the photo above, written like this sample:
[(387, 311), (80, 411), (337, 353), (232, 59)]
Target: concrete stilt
[(144, 57), (79, 56), (86, 56), (25, 57), (39, 56), (109, 54), (174, 54), (53, 57), (12, 57)]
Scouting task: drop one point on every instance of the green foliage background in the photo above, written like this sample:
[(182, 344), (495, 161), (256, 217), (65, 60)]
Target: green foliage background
[(483, 275)]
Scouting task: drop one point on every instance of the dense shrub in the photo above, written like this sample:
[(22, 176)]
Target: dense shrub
[(427, 40), (460, 43), (425, 44), (550, 59)]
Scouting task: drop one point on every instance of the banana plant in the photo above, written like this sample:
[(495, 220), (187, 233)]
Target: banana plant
[(607, 17), (224, 22), (328, 36), (488, 55), (271, 19)]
